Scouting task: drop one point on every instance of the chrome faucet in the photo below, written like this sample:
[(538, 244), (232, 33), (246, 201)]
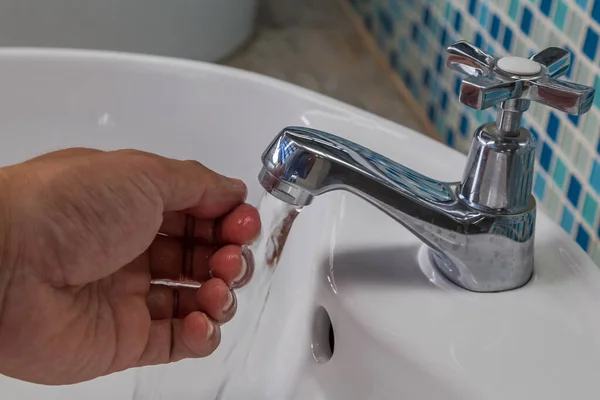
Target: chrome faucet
[(480, 231)]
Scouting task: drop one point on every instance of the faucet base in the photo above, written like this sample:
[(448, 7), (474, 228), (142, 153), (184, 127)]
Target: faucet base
[(452, 272)]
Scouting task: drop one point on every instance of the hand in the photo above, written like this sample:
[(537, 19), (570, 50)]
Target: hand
[(81, 234)]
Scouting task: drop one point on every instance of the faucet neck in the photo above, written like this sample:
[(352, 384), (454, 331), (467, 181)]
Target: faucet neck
[(510, 114)]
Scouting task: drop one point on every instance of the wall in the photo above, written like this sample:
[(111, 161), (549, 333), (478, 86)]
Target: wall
[(413, 34)]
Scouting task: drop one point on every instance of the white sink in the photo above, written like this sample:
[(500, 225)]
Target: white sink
[(401, 330)]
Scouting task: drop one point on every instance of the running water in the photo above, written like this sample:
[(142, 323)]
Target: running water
[(277, 219)]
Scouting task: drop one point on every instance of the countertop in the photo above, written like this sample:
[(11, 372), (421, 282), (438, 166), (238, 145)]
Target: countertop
[(315, 44)]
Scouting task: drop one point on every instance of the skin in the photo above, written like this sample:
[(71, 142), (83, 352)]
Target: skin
[(83, 231)]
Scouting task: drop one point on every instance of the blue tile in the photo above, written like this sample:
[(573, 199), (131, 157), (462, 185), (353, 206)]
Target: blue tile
[(386, 21), (368, 21), (443, 37), (483, 15), (582, 3), (546, 156), (450, 39), (570, 70), (535, 134), (472, 7), (450, 138), (567, 220), (431, 112), (414, 32), (582, 238), (426, 16), (444, 100), (539, 187), (553, 125), (596, 11), (458, 22), (408, 80), (590, 44), (546, 6), (507, 40), (495, 27), (595, 177), (464, 125), (439, 64), (574, 119), (478, 40), (574, 191), (393, 59), (457, 82), (526, 20), (426, 77)]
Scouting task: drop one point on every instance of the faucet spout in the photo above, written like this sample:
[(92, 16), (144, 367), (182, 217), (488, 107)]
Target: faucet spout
[(479, 249)]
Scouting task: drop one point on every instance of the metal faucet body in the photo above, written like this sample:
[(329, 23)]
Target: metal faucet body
[(480, 230), (478, 250)]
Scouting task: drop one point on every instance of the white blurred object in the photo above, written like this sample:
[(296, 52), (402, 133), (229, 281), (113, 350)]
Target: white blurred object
[(205, 30)]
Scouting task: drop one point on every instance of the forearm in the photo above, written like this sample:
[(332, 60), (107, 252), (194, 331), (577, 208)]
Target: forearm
[(7, 267)]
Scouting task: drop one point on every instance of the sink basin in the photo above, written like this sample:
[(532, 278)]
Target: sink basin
[(356, 310)]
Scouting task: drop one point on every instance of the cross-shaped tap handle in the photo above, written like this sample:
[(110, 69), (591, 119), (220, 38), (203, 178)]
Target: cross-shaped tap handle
[(492, 80)]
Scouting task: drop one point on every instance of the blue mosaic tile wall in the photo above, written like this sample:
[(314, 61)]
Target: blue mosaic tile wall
[(413, 34)]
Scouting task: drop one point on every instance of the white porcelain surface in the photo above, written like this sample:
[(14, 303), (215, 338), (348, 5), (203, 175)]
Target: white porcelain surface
[(401, 331), (204, 30)]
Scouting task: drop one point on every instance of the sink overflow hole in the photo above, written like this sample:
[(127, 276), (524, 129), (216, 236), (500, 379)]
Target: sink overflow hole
[(323, 337)]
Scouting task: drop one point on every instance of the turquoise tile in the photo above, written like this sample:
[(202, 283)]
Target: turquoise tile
[(567, 220), (560, 173), (590, 208), (539, 187), (560, 15), (483, 15), (597, 87), (595, 177), (514, 9)]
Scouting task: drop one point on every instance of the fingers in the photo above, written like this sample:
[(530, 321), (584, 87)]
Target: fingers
[(194, 336), (174, 225), (240, 226), (214, 298), (230, 263), (166, 259), (217, 300)]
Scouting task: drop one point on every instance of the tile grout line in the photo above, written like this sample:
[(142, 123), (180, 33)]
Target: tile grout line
[(354, 17)]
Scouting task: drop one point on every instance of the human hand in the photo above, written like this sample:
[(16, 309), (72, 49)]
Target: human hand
[(83, 231)]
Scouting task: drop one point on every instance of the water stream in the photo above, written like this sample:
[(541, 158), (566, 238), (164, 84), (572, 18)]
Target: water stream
[(277, 219)]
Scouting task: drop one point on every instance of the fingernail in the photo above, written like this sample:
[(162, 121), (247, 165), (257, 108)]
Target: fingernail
[(229, 303), (246, 269), (210, 328), (243, 270)]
